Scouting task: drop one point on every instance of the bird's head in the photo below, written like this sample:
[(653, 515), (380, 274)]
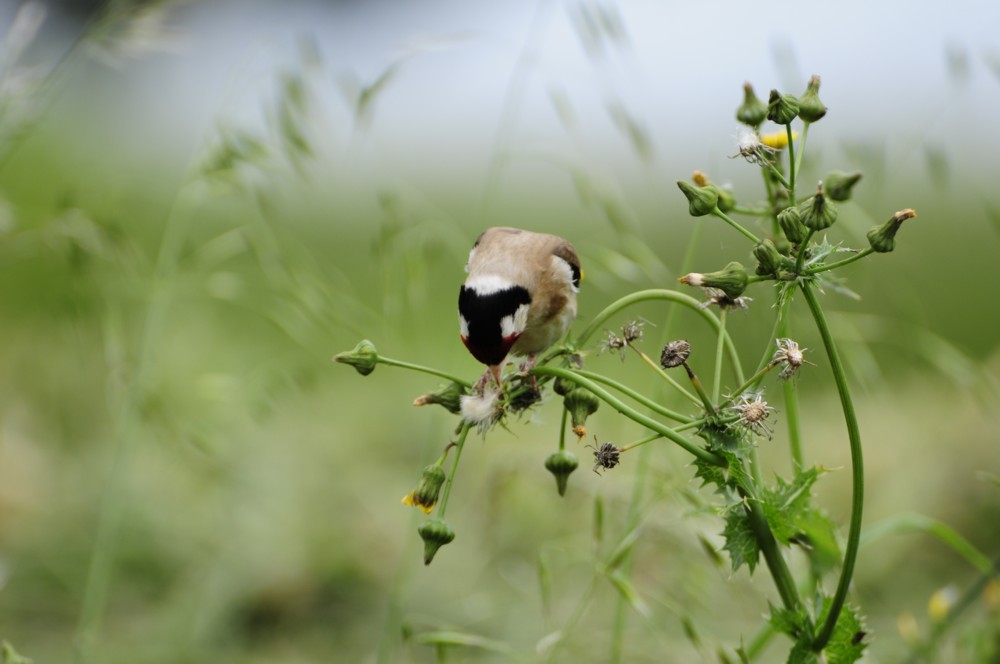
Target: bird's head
[(492, 314)]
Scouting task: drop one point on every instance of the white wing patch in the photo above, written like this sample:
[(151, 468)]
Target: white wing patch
[(463, 326), (472, 254), (514, 324)]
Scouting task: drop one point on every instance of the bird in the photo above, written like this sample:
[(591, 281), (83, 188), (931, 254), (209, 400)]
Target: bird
[(519, 297)]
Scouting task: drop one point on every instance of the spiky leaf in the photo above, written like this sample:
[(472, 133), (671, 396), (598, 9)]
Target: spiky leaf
[(740, 541)]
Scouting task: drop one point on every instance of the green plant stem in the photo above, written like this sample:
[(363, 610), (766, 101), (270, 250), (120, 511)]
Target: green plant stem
[(778, 174), (748, 383), (750, 212), (658, 294), (802, 148), (782, 576), (631, 413), (791, 397), (700, 389), (792, 170), (632, 394), (800, 258), (759, 642), (857, 469), (739, 227), (667, 377), (381, 359), (847, 261), (562, 430), (717, 378), (459, 446)]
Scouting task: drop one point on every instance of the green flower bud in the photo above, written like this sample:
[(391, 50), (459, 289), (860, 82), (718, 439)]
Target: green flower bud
[(726, 202), (782, 109), (435, 533), (883, 238), (811, 108), (752, 111), (561, 464), (731, 280), (790, 220), (701, 200), (363, 357), (768, 258), (563, 386), (425, 496), (817, 212), (581, 404), (838, 185), (450, 397)]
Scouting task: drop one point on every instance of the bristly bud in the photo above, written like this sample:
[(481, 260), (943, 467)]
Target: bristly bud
[(782, 109), (838, 185), (450, 397), (883, 238), (811, 108), (752, 111), (731, 280), (561, 464), (606, 456), (363, 357), (563, 386), (581, 404), (790, 220), (435, 533), (701, 200), (817, 212), (768, 258), (425, 496), (675, 353)]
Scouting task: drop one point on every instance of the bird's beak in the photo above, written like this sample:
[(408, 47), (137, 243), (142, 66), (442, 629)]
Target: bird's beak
[(495, 370)]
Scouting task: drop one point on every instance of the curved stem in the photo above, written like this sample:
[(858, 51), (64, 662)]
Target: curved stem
[(629, 392), (660, 294), (847, 261), (381, 359), (793, 170), (665, 376), (717, 378), (631, 413), (857, 469), (791, 396)]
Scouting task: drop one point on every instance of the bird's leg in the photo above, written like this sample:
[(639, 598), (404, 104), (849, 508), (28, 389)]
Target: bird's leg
[(526, 366), (492, 372)]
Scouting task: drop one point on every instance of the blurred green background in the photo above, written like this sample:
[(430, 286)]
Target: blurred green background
[(201, 203)]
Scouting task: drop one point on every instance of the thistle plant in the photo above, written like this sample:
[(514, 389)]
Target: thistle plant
[(730, 410)]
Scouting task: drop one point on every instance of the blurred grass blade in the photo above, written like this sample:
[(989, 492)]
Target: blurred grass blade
[(628, 591), (464, 639)]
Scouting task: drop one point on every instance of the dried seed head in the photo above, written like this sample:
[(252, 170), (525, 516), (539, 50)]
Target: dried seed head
[(675, 353), (632, 330), (754, 412), (614, 343), (723, 301), (483, 410), (789, 355), (606, 456)]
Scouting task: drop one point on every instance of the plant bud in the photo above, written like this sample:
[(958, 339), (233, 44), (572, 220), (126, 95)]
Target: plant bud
[(883, 238), (731, 280), (817, 212), (450, 397), (726, 202), (425, 496), (675, 353), (363, 357), (435, 533), (811, 108), (838, 185), (701, 200), (561, 464), (790, 220), (581, 404), (768, 258), (563, 386), (752, 111), (782, 109)]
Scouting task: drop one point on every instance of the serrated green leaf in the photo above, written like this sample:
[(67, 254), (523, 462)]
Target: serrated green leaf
[(793, 623), (794, 520), (848, 640), (736, 474), (740, 541), (709, 473), (801, 653)]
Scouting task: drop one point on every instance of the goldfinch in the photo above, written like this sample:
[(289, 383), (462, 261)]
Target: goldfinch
[(519, 297)]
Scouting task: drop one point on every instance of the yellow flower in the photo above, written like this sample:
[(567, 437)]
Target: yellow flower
[(941, 602), (426, 494), (777, 140)]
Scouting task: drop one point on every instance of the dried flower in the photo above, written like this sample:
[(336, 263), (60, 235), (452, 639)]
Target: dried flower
[(675, 353), (750, 147), (720, 299), (483, 409), (614, 343), (789, 355), (606, 456), (754, 412)]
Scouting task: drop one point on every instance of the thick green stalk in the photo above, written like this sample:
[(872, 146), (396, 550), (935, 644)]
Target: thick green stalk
[(665, 376), (729, 220), (632, 394), (783, 579), (857, 469), (717, 378), (792, 168), (381, 359), (631, 413), (847, 261), (791, 395)]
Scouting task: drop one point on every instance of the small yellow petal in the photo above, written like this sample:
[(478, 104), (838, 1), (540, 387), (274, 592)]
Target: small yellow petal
[(777, 140), (941, 602), (908, 627), (410, 500)]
